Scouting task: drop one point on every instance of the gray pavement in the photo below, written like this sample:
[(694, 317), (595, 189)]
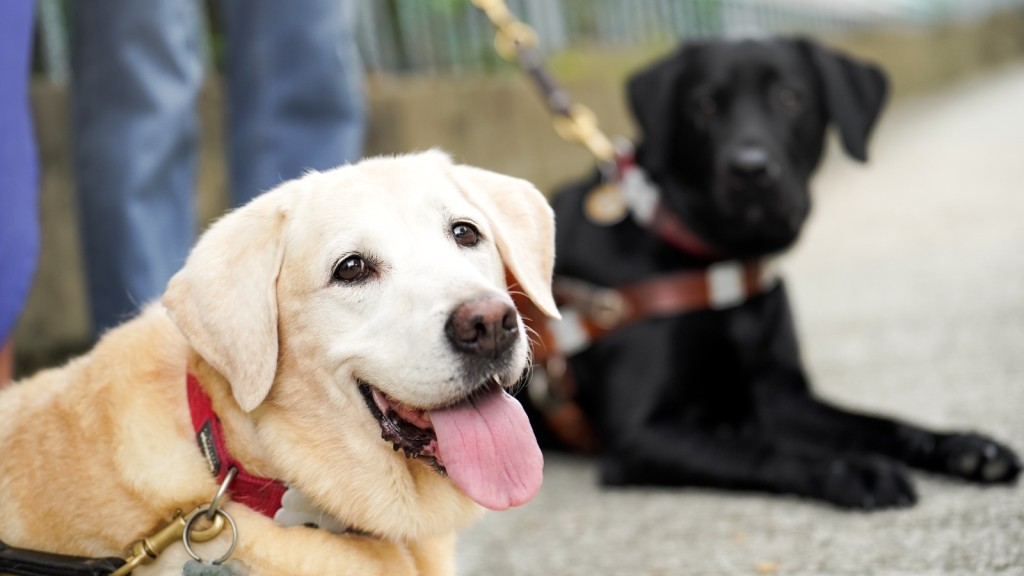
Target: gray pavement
[(909, 294)]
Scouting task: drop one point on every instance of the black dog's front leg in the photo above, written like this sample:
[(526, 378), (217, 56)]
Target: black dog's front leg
[(674, 407), (973, 457), (751, 461), (787, 409)]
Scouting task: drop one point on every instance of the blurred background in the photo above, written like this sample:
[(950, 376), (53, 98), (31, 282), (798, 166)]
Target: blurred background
[(908, 281), (435, 80)]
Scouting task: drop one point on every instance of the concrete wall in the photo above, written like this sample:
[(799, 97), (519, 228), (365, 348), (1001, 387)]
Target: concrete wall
[(495, 122)]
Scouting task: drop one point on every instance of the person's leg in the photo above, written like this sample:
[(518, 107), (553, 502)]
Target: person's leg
[(137, 71), (19, 176), (296, 95)]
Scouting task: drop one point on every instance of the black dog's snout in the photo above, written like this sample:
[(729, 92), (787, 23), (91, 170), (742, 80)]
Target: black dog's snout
[(753, 165), (485, 327)]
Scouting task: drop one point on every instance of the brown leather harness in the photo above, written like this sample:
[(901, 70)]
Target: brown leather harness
[(590, 312)]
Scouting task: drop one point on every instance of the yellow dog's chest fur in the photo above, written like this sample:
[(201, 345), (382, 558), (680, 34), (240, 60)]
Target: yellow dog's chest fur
[(98, 453)]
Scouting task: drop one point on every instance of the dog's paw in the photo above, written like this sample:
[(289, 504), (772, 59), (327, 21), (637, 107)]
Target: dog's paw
[(864, 483), (976, 458)]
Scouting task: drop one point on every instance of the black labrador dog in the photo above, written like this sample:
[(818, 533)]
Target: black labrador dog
[(717, 396)]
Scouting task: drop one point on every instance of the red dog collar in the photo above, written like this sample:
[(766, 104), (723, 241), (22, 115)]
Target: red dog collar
[(261, 494)]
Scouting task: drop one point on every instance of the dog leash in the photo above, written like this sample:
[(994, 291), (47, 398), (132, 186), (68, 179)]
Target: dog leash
[(258, 493), (269, 497), (181, 528), (516, 42)]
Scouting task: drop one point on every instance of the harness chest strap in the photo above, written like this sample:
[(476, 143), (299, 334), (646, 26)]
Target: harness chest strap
[(591, 312), (642, 200)]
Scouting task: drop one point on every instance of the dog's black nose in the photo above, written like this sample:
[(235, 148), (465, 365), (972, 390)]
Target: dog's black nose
[(484, 327), (753, 165)]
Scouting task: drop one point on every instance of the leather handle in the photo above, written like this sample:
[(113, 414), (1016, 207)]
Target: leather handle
[(22, 562)]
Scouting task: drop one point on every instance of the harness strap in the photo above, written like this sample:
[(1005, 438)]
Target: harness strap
[(642, 199), (552, 387), (601, 310), (591, 312)]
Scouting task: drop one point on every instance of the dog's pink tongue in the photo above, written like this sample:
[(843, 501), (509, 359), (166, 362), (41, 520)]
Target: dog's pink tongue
[(489, 450)]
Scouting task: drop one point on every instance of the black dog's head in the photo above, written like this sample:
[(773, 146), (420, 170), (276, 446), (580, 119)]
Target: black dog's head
[(732, 132)]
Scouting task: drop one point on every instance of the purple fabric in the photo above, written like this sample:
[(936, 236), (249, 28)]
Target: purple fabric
[(19, 218)]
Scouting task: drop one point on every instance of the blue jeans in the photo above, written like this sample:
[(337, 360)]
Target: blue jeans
[(295, 102)]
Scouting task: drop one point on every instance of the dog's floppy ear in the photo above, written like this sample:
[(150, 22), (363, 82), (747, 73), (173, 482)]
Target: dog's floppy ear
[(523, 225), (853, 91), (652, 94), (224, 300)]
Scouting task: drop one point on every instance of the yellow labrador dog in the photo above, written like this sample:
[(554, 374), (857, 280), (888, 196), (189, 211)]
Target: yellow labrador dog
[(343, 342)]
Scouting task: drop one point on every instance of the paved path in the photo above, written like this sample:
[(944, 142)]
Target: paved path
[(909, 289)]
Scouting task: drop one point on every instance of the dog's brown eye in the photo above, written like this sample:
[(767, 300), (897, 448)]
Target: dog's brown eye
[(351, 269), (465, 234)]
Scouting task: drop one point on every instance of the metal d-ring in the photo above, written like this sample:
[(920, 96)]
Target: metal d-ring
[(215, 504), (186, 536)]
